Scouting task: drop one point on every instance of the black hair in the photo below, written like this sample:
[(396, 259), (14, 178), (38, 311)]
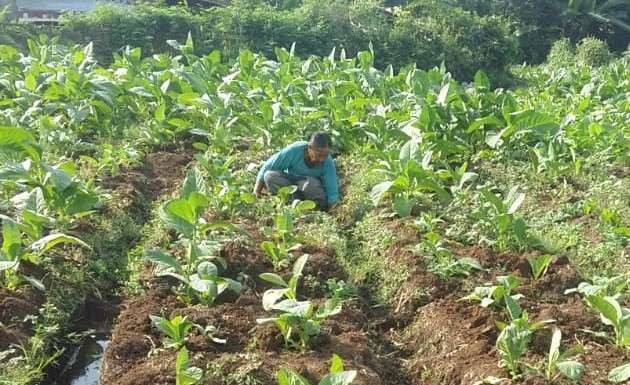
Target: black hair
[(320, 140)]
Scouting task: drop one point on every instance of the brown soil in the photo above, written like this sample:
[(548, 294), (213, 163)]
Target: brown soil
[(133, 357), (452, 343), (161, 172), (429, 339), (15, 306)]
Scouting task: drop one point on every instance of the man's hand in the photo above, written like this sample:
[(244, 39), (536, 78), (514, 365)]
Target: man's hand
[(333, 209), (258, 187)]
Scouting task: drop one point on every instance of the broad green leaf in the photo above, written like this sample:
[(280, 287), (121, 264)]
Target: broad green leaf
[(336, 364), (441, 100), (46, 243), (194, 182), (331, 307), (608, 307), (297, 308), (17, 141), (177, 214), (482, 80), (409, 150), (380, 190), (571, 369), (160, 112), (514, 310), (11, 238), (342, 378), (298, 266), (164, 259), (273, 278), (204, 286), (620, 374), (271, 297), (82, 203), (207, 270), (402, 206), (289, 377)]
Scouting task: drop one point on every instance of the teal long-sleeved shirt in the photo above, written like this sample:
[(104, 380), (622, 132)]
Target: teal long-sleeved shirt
[(291, 160)]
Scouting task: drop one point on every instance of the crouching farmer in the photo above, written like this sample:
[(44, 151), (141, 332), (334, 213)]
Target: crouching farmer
[(307, 165)]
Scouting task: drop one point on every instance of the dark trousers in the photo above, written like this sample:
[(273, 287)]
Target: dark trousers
[(309, 188)]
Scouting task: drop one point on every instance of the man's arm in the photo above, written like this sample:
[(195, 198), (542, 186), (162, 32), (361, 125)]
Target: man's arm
[(279, 161), (329, 180), (258, 188)]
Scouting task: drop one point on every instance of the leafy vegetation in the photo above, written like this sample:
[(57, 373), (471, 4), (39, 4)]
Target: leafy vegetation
[(434, 172)]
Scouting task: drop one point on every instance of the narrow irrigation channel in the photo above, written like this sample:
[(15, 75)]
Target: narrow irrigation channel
[(138, 189), (84, 364)]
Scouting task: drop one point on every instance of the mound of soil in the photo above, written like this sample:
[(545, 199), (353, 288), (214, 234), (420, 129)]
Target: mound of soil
[(452, 343), (15, 306), (159, 173), (135, 356)]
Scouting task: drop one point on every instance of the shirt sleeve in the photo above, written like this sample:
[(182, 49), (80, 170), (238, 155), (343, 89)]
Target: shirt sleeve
[(329, 179), (279, 161)]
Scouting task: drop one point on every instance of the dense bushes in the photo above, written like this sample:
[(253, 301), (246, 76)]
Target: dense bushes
[(112, 27), (427, 32), (590, 52)]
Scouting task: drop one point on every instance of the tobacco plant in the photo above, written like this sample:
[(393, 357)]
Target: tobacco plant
[(185, 374), (199, 273), (539, 265), (176, 330), (17, 248), (612, 314), (337, 375), (407, 179), (498, 217), (297, 321), (558, 362), (513, 342), (499, 295), (282, 234), (441, 260)]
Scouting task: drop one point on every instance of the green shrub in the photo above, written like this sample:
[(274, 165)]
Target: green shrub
[(112, 27), (428, 32), (592, 52), (561, 53)]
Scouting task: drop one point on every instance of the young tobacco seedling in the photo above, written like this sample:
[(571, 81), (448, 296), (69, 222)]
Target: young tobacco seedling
[(282, 233), (613, 314), (496, 294), (498, 217), (513, 342), (295, 317), (337, 375), (16, 249), (175, 329), (558, 363), (539, 265), (443, 263), (199, 274), (184, 373)]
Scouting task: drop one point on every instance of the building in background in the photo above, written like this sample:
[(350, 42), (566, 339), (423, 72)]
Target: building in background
[(49, 11)]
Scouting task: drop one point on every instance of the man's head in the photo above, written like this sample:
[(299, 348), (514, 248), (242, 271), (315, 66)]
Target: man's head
[(318, 148)]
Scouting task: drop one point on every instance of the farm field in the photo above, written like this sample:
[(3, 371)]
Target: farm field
[(482, 237)]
